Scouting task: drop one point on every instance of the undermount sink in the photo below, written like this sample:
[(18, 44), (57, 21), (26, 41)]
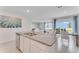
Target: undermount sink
[(30, 34)]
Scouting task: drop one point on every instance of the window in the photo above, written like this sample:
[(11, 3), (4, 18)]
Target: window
[(64, 25), (48, 25)]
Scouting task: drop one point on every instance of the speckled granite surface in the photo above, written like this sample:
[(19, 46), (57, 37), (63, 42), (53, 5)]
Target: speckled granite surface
[(43, 38)]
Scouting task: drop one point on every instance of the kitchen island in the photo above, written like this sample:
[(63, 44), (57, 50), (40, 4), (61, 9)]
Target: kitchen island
[(35, 42)]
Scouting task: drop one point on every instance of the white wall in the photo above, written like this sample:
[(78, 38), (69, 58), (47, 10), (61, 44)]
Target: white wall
[(8, 34)]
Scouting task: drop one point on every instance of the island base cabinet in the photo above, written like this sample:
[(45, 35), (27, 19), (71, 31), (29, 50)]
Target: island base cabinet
[(37, 47), (21, 43), (36, 50), (17, 41), (26, 45)]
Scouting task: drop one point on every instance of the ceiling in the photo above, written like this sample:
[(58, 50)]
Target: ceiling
[(40, 12)]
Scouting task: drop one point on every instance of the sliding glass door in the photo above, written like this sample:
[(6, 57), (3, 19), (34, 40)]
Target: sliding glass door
[(66, 24)]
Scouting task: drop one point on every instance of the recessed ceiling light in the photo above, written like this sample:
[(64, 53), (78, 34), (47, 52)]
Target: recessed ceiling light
[(27, 10)]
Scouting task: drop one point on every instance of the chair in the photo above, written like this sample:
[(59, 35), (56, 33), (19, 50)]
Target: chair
[(64, 35)]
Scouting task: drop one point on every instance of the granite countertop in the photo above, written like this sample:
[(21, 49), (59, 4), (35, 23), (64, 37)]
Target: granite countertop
[(44, 38)]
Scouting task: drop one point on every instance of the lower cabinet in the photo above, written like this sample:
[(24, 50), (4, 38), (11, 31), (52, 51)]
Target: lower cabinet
[(24, 44), (17, 41), (37, 47), (28, 45), (21, 43)]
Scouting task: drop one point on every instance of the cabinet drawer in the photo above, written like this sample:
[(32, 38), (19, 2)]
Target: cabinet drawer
[(38, 45)]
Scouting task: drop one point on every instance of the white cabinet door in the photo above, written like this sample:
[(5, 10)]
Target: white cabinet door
[(26, 44), (17, 41), (37, 47), (22, 43)]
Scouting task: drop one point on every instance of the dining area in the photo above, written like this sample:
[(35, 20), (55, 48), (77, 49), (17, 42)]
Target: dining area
[(67, 32), (67, 42)]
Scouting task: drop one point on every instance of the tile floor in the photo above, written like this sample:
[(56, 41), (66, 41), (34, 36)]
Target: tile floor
[(9, 47), (61, 46), (58, 47)]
